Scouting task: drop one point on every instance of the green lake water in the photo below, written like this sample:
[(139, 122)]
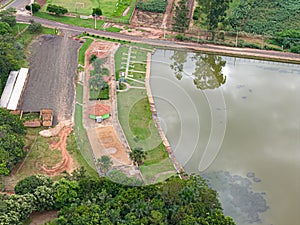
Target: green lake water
[(237, 123)]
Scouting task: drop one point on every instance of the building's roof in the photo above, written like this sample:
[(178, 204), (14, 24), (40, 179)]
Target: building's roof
[(10, 83), (18, 88)]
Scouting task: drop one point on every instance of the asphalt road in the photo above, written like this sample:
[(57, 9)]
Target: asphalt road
[(17, 4), (206, 48)]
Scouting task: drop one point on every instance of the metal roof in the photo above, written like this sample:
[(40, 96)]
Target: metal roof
[(10, 83), (18, 88)]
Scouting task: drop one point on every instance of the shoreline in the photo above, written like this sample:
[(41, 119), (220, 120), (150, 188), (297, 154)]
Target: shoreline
[(153, 110)]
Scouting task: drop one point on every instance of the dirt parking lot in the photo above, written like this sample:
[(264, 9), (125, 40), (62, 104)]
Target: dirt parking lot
[(52, 74)]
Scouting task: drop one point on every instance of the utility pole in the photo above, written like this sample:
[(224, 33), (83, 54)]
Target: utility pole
[(236, 38), (95, 22)]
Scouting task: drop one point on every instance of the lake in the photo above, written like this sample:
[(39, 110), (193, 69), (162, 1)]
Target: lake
[(237, 123)]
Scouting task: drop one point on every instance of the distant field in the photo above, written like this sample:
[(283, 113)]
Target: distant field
[(84, 7)]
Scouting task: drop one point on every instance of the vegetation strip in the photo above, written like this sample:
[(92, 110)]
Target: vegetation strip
[(166, 143)]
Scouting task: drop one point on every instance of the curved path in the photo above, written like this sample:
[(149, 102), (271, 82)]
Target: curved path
[(162, 173), (207, 48)]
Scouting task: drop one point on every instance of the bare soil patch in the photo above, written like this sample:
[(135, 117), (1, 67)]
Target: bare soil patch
[(66, 162), (112, 145), (51, 76), (149, 19), (38, 218)]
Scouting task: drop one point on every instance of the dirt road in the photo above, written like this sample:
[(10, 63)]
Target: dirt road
[(51, 76)]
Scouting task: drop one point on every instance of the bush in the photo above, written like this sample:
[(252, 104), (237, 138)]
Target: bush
[(30, 184), (35, 7), (34, 27), (158, 6), (56, 9), (179, 37), (295, 49)]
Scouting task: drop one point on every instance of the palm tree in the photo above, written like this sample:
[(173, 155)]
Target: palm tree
[(137, 155), (104, 163)]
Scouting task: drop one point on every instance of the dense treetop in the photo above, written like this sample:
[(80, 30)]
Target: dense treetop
[(86, 200)]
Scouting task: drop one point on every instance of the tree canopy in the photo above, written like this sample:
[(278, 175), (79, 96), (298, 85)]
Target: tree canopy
[(56, 9), (89, 200), (12, 141)]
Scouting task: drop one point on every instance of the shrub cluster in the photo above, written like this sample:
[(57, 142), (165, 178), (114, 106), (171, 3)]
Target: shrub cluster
[(158, 6)]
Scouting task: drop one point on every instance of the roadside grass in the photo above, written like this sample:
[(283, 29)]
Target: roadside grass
[(150, 171), (74, 151), (76, 21), (18, 28), (79, 93), (82, 138), (134, 83), (82, 50), (119, 55), (163, 177)]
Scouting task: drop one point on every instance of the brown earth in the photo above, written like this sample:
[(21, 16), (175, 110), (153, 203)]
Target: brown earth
[(52, 73), (112, 145), (66, 164), (38, 218), (147, 19)]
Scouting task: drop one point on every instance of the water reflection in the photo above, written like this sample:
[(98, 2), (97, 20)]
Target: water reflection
[(208, 72), (179, 59)]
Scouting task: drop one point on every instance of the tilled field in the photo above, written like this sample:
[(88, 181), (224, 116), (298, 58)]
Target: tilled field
[(51, 76)]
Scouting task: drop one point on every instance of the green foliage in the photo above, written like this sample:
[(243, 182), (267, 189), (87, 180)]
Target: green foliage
[(104, 163), (265, 17), (158, 6), (31, 183), (34, 27), (180, 20), (92, 59), (215, 11), (8, 16), (4, 28), (197, 11), (89, 200), (97, 12), (56, 9), (11, 141), (137, 155), (35, 7)]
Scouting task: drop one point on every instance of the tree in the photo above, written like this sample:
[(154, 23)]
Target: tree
[(98, 65), (97, 12), (4, 28), (34, 6), (215, 11), (6, 118), (208, 72), (56, 9), (179, 59), (181, 20), (97, 83), (137, 155), (31, 183), (104, 163), (8, 16), (34, 27), (65, 192), (93, 58)]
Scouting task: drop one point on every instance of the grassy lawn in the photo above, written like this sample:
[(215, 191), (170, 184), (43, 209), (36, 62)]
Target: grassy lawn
[(112, 9), (76, 21), (150, 171), (102, 95), (72, 147), (140, 118), (82, 50), (79, 93), (18, 28), (136, 120), (38, 155), (82, 138)]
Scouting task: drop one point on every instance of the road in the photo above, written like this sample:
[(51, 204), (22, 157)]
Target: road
[(206, 48), (17, 4)]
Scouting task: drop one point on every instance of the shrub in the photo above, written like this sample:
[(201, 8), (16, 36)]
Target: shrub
[(35, 7), (56, 9), (30, 184)]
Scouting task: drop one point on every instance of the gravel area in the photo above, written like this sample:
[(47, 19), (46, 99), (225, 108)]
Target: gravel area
[(52, 72)]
